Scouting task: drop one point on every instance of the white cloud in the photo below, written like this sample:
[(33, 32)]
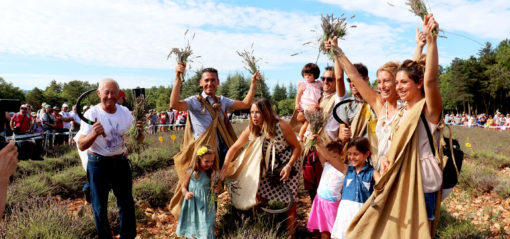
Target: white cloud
[(484, 18), (140, 33), (29, 81)]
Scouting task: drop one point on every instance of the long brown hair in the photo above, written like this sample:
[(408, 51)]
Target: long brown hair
[(269, 116), (414, 70)]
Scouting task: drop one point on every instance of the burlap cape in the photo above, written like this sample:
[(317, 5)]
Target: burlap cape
[(188, 150), (396, 209), (366, 120), (246, 170)]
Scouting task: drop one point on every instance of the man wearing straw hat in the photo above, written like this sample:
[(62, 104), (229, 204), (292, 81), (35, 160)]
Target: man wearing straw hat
[(108, 167), (207, 121)]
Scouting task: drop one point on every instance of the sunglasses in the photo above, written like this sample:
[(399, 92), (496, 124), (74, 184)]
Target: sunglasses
[(328, 79)]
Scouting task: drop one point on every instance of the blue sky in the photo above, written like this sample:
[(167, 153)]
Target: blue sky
[(129, 40)]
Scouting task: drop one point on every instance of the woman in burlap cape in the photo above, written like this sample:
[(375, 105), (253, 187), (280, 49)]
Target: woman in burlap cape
[(397, 208), (253, 168), (187, 154)]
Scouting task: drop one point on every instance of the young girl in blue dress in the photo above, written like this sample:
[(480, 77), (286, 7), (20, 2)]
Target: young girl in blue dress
[(198, 213), (325, 204), (358, 185)]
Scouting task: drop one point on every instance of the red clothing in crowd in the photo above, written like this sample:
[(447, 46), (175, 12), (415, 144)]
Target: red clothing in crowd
[(22, 121), (58, 120)]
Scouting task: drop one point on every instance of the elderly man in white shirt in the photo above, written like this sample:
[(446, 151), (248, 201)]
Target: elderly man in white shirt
[(108, 167)]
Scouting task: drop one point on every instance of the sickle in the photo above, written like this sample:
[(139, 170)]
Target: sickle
[(337, 118), (291, 197), (78, 109)]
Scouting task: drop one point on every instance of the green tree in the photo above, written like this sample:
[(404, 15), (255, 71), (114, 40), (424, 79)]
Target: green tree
[(238, 88), (285, 107), (279, 93), (52, 94), (8, 91), (35, 98), (292, 91), (73, 89), (192, 85)]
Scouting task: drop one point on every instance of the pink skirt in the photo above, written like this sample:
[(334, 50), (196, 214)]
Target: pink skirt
[(322, 215)]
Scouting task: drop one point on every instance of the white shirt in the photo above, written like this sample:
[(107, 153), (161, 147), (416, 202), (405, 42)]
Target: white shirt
[(332, 125), (67, 125), (76, 117), (115, 125)]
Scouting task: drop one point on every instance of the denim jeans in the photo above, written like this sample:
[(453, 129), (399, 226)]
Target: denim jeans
[(105, 173)]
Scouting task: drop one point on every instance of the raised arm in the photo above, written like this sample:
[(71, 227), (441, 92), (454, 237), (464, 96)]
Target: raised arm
[(240, 142), (300, 91), (333, 159), (248, 99), (339, 71), (434, 103), (420, 43), (175, 102), (364, 89), (339, 79)]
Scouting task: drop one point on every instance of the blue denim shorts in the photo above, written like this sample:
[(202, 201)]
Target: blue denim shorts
[(430, 204)]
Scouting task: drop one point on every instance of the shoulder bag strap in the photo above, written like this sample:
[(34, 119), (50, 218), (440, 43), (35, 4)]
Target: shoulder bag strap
[(429, 134)]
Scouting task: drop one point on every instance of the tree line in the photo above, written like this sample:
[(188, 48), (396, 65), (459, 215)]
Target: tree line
[(475, 85), (235, 86), (478, 84)]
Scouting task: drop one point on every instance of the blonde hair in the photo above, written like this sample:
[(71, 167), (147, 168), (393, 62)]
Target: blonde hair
[(390, 67)]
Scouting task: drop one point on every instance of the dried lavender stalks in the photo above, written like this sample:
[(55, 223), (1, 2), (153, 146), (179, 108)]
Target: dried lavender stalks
[(316, 119), (249, 60), (332, 26), (183, 54), (232, 186), (135, 142), (419, 9), (215, 178)]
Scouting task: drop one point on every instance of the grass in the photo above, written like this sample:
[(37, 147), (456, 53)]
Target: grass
[(69, 182), (38, 185), (157, 190), (451, 228), (236, 224), (155, 180), (45, 218), (480, 179), (488, 147), (29, 167), (503, 188)]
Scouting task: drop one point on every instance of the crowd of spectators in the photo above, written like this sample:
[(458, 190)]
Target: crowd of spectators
[(499, 121), (165, 121), (51, 121), (174, 120)]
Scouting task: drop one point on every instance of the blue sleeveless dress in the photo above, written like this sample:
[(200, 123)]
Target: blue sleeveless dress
[(198, 217)]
